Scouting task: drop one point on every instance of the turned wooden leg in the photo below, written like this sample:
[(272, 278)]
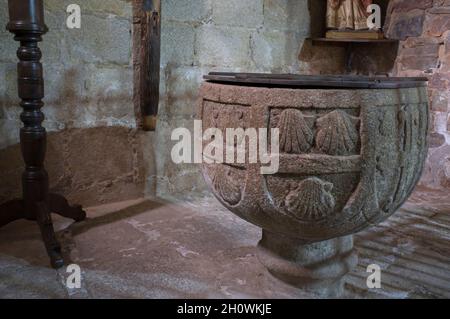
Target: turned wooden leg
[(59, 205), (26, 21), (52, 245), (11, 211)]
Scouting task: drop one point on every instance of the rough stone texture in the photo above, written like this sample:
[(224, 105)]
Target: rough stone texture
[(250, 13), (406, 25), (348, 160), (90, 166), (88, 71), (318, 268), (152, 249), (207, 35)]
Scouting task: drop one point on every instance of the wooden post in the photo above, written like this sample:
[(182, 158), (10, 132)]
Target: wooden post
[(150, 52)]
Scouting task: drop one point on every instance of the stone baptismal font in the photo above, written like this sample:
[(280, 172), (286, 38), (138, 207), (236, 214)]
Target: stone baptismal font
[(351, 151)]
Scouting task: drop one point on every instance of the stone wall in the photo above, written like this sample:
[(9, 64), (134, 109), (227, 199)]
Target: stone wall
[(96, 154), (199, 36), (423, 27)]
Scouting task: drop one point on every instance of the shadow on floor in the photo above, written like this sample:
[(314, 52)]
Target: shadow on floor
[(128, 212), (22, 239)]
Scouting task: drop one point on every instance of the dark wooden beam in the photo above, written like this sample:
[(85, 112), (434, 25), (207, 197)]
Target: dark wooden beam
[(147, 48)]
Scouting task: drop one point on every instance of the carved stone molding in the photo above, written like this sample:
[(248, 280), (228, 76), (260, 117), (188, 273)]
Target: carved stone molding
[(296, 135), (311, 200), (338, 133)]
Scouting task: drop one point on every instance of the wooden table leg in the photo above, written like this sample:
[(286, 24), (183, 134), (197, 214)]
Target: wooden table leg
[(27, 23), (52, 245)]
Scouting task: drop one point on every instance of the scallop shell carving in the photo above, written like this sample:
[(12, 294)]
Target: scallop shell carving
[(337, 134), (311, 200), (296, 135), (227, 186)]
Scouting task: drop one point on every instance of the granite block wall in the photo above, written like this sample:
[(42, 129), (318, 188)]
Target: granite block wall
[(199, 36), (96, 153)]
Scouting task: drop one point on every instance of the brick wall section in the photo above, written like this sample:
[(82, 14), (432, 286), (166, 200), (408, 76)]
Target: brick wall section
[(423, 26)]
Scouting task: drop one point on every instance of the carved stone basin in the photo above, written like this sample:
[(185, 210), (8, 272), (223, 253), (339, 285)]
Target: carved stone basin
[(351, 152)]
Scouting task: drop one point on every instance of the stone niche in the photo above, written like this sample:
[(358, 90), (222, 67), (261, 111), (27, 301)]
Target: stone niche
[(318, 10), (344, 58)]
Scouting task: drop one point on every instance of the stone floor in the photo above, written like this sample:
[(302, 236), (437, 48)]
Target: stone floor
[(197, 249)]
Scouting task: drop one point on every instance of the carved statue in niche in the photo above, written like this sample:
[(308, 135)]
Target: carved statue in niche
[(347, 14)]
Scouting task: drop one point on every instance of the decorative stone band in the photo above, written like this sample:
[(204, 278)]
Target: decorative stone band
[(319, 164)]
